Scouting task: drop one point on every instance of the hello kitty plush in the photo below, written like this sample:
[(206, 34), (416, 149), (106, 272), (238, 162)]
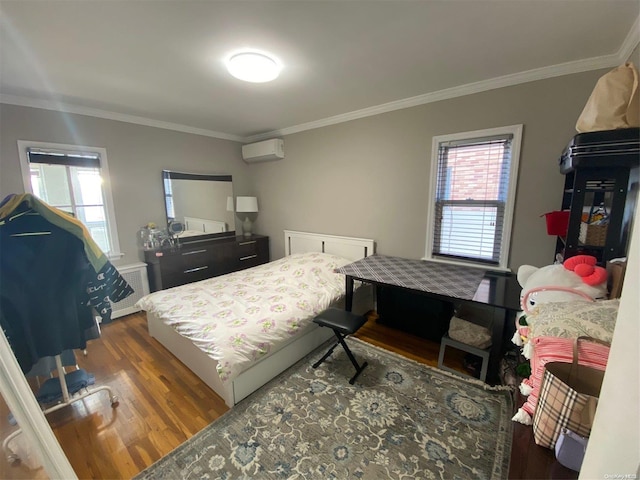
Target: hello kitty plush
[(577, 279)]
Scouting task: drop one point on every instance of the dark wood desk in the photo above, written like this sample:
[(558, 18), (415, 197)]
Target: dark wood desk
[(446, 282)]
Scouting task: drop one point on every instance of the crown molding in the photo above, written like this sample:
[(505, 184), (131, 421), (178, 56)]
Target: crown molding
[(121, 117), (606, 61), (630, 43)]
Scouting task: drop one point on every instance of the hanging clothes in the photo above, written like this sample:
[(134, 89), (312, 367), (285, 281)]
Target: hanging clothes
[(52, 277)]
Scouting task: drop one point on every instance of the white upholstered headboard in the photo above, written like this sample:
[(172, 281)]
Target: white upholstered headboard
[(346, 247)]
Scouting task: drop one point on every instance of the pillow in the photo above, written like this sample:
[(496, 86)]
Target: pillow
[(469, 333), (574, 319)]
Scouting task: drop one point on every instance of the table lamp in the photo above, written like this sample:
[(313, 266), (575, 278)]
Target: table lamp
[(246, 205)]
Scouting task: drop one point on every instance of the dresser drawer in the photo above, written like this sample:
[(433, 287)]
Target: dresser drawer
[(198, 261), (173, 279), (246, 250), (248, 261), (188, 261), (252, 252)]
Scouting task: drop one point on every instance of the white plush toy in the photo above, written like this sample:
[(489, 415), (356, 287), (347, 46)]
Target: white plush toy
[(577, 279)]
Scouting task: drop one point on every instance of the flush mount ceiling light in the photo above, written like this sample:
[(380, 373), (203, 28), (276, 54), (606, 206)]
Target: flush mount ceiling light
[(252, 66)]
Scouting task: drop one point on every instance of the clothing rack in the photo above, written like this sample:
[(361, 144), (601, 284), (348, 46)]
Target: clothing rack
[(67, 399), (28, 226)]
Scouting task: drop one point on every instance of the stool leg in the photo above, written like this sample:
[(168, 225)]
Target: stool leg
[(349, 354), (326, 355), (359, 368), (358, 372), (340, 337)]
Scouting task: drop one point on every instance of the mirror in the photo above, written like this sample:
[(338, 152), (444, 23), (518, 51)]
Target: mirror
[(200, 203)]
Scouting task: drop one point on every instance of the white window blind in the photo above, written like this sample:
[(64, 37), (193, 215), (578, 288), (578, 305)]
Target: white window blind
[(472, 194)]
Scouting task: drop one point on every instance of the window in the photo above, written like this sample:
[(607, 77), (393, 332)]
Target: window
[(76, 180), (168, 197), (473, 177)]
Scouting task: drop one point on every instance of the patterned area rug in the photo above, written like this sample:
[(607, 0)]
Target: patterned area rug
[(401, 419)]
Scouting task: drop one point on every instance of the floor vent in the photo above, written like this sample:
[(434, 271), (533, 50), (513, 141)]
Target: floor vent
[(136, 276)]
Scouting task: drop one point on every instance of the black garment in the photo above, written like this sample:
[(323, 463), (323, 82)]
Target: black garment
[(45, 306), (104, 287)]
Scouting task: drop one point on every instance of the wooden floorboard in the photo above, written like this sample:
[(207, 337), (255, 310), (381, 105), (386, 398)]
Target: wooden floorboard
[(162, 404)]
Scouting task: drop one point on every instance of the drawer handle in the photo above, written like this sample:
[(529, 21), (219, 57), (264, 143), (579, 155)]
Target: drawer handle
[(193, 252), (247, 243), (248, 257), (191, 270)]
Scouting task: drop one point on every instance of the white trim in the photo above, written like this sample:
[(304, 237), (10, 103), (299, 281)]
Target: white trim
[(516, 131), (30, 418), (106, 186), (121, 117), (605, 61), (631, 42)]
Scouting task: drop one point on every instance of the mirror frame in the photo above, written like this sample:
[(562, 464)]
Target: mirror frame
[(174, 175)]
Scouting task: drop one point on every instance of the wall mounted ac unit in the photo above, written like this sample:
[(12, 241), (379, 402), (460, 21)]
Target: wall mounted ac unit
[(261, 151)]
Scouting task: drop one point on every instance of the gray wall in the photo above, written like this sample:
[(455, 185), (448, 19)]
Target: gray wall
[(635, 56), (136, 155), (366, 178), (369, 177)]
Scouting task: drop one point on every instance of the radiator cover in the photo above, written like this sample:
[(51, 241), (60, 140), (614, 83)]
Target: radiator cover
[(136, 276)]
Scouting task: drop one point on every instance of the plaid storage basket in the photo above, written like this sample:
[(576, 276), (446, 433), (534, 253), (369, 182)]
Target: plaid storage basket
[(568, 398)]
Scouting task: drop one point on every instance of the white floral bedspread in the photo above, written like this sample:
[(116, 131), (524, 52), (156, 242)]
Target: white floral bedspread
[(238, 318)]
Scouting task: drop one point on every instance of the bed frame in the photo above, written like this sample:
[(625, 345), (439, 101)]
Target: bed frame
[(289, 353)]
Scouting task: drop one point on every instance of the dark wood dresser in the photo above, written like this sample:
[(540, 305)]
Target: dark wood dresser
[(190, 262)]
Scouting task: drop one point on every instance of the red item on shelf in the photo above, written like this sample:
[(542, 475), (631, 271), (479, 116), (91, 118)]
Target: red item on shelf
[(557, 222)]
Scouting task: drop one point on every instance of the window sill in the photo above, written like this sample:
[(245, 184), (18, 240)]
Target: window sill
[(115, 255), (492, 268)]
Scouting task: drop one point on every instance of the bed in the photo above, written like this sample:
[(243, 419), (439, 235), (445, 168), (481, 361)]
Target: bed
[(238, 331)]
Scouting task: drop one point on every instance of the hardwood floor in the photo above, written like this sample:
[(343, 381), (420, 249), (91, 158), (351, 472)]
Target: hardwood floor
[(162, 404)]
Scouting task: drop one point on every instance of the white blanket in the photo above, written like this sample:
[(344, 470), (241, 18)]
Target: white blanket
[(239, 318)]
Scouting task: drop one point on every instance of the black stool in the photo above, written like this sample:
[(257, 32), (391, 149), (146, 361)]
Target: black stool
[(342, 323)]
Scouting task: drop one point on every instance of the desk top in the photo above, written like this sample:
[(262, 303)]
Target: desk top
[(453, 281)]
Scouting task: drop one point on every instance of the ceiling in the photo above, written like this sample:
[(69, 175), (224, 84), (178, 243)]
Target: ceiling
[(161, 63)]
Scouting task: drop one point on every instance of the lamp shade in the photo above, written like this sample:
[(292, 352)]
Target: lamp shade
[(246, 204)]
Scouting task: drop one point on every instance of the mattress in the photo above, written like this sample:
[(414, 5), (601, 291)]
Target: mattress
[(239, 318)]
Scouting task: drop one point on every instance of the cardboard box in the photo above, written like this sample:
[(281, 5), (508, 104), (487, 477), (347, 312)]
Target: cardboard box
[(615, 278)]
